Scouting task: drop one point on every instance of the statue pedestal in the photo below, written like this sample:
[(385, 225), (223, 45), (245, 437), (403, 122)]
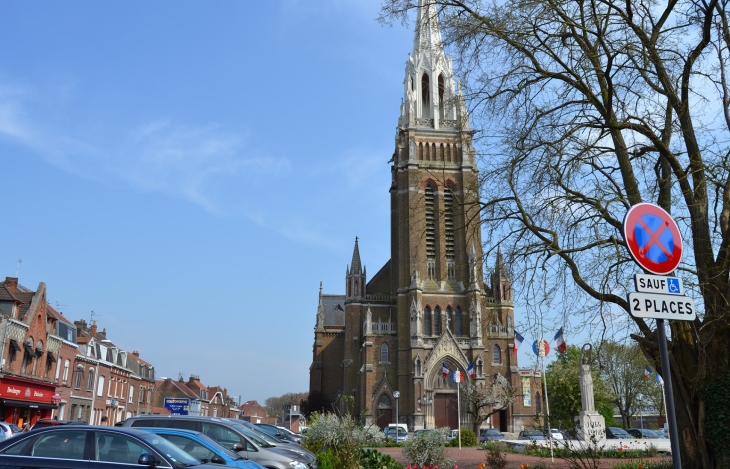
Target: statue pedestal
[(591, 427)]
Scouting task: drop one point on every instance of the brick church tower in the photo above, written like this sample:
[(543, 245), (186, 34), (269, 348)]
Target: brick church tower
[(428, 305)]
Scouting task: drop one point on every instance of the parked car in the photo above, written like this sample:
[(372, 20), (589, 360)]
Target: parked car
[(531, 435), (65, 446), (453, 434), (280, 433), (643, 433), (43, 423), (202, 448), (617, 433), (421, 431), (8, 430), (257, 434), (556, 434), (490, 434), (396, 434), (229, 436)]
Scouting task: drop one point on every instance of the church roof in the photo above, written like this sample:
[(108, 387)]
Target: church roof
[(334, 310)]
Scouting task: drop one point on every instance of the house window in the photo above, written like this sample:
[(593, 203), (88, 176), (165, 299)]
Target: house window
[(79, 375), (141, 395), (496, 355), (427, 321), (384, 353), (90, 382), (65, 372), (215, 412), (100, 387), (437, 321), (131, 393)]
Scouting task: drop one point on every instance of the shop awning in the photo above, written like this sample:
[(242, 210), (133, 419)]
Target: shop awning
[(51, 358), (31, 404), (14, 345), (29, 349)]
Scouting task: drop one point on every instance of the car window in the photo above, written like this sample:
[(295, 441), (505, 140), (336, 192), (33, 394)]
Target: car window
[(168, 449), (192, 447), (225, 436), (161, 423), (21, 448), (15, 429), (68, 444), (113, 447)]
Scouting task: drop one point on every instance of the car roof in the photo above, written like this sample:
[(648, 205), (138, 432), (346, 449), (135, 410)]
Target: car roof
[(171, 430)]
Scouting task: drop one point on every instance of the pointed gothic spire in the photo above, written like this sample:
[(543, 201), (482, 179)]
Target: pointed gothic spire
[(428, 33), (499, 266), (356, 265), (320, 310)]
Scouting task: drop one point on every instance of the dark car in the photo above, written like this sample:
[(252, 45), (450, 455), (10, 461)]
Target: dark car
[(617, 433), (280, 433), (490, 434), (43, 423), (531, 435), (66, 446), (643, 433)]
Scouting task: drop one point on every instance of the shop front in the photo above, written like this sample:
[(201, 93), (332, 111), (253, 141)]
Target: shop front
[(24, 400)]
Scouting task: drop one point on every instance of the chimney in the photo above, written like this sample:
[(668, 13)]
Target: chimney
[(93, 329), (11, 283), (136, 353)]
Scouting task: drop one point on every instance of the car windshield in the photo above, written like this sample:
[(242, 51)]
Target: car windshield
[(254, 436), (209, 441), (494, 432), (15, 429), (168, 449)]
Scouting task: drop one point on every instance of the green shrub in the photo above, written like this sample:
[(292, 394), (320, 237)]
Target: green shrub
[(326, 460), (468, 438), (341, 437), (372, 459), (428, 448)]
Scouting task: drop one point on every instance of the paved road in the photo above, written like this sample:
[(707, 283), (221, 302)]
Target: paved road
[(470, 458)]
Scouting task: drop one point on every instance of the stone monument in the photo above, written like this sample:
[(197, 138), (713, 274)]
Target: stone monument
[(591, 426)]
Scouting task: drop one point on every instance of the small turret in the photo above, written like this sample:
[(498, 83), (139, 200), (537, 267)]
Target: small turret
[(320, 311), (501, 280), (356, 275)]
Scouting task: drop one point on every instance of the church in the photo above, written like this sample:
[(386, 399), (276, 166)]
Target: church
[(380, 350)]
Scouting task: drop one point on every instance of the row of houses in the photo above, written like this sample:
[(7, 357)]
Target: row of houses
[(52, 367)]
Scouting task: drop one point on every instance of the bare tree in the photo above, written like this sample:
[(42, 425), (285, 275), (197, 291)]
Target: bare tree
[(483, 401), (588, 107)]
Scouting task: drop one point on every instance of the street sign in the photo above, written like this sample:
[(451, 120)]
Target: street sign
[(653, 238), (651, 305), (658, 284)]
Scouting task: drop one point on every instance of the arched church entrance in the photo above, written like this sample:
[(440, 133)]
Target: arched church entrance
[(385, 412), (445, 409)]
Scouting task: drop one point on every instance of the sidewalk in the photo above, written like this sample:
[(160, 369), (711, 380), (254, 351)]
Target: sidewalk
[(470, 458)]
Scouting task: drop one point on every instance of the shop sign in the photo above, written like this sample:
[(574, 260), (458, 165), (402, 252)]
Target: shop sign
[(25, 391)]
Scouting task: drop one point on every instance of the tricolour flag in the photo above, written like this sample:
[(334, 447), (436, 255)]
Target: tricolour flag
[(560, 341), (458, 376), (659, 379), (647, 372), (518, 341), (445, 370), (470, 371)]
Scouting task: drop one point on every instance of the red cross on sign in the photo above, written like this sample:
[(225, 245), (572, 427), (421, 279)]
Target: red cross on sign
[(653, 238)]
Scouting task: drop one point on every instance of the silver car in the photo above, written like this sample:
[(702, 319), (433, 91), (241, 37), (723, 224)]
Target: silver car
[(228, 435)]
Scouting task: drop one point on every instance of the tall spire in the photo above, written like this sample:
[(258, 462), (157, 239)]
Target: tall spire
[(356, 265), (428, 35), (430, 99), (320, 311)]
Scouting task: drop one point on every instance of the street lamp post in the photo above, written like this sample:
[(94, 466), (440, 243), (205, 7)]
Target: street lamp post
[(641, 418), (426, 402), (396, 394)]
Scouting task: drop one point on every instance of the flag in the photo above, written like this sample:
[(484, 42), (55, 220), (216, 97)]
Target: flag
[(471, 371), (518, 341), (458, 376), (647, 372), (560, 341), (445, 370), (659, 379)]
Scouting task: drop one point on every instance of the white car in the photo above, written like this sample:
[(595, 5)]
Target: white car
[(556, 434)]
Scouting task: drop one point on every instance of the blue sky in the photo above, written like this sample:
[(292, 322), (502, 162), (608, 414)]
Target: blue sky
[(190, 171)]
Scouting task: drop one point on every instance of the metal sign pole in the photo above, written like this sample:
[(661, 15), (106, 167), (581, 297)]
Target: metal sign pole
[(669, 393)]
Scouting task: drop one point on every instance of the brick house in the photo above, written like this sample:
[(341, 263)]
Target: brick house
[(169, 388), (254, 412), (30, 350), (200, 390)]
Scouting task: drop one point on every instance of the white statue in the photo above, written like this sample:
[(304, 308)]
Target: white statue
[(586, 380)]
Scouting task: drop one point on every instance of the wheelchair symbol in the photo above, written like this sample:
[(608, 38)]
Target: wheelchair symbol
[(673, 285)]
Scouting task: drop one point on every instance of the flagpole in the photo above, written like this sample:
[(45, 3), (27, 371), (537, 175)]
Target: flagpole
[(547, 405), (458, 406)]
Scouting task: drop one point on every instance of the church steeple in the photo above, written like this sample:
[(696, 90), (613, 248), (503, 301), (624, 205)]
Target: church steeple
[(355, 265), (431, 100)]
